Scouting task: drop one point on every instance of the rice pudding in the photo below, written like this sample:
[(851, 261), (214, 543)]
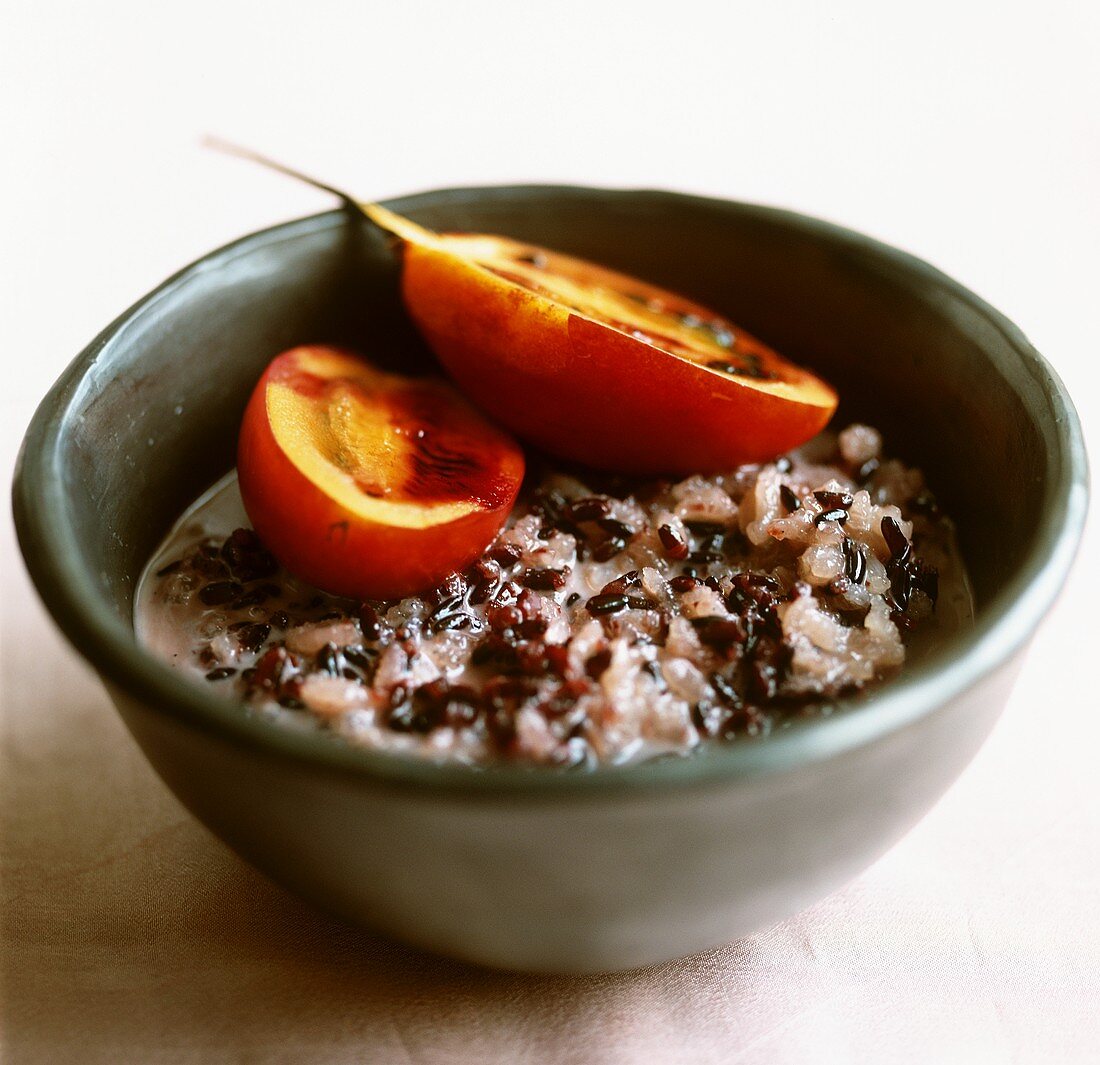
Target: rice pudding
[(611, 620)]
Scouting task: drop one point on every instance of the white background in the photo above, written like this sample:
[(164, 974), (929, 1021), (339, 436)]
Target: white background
[(968, 133)]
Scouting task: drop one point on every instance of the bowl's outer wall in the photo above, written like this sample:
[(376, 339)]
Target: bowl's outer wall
[(589, 880), (570, 885)]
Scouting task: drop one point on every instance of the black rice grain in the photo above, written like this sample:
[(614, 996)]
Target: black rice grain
[(220, 592), (833, 500), (253, 637), (591, 508), (855, 562), (606, 551), (895, 539), (545, 580), (606, 604), (675, 545)]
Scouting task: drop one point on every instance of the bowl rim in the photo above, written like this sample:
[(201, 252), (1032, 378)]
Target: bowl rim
[(94, 628)]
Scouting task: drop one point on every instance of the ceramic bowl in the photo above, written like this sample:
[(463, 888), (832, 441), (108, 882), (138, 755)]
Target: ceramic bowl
[(534, 869)]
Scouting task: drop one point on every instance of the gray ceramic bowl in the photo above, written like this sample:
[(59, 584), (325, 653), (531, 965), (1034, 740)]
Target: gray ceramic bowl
[(535, 869)]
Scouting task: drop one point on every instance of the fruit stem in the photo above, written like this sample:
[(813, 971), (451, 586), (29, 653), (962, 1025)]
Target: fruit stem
[(387, 220)]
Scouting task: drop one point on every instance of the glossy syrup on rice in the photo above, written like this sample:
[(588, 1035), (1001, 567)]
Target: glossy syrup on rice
[(612, 620)]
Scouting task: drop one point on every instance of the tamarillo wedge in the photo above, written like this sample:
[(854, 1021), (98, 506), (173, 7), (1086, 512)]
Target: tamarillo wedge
[(598, 367), (367, 484), (593, 365)]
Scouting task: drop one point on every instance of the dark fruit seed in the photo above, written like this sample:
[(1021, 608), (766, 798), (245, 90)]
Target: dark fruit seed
[(220, 674), (789, 499), (280, 619), (545, 579), (833, 500), (606, 604), (675, 546), (640, 602), (683, 584), (895, 539), (573, 598), (220, 592)]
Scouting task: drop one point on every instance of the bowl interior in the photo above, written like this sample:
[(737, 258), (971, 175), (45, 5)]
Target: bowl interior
[(148, 417)]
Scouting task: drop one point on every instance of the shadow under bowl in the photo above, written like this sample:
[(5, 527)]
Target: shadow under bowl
[(535, 869)]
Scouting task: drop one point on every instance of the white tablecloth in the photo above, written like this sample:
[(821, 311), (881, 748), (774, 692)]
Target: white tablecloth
[(967, 135)]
